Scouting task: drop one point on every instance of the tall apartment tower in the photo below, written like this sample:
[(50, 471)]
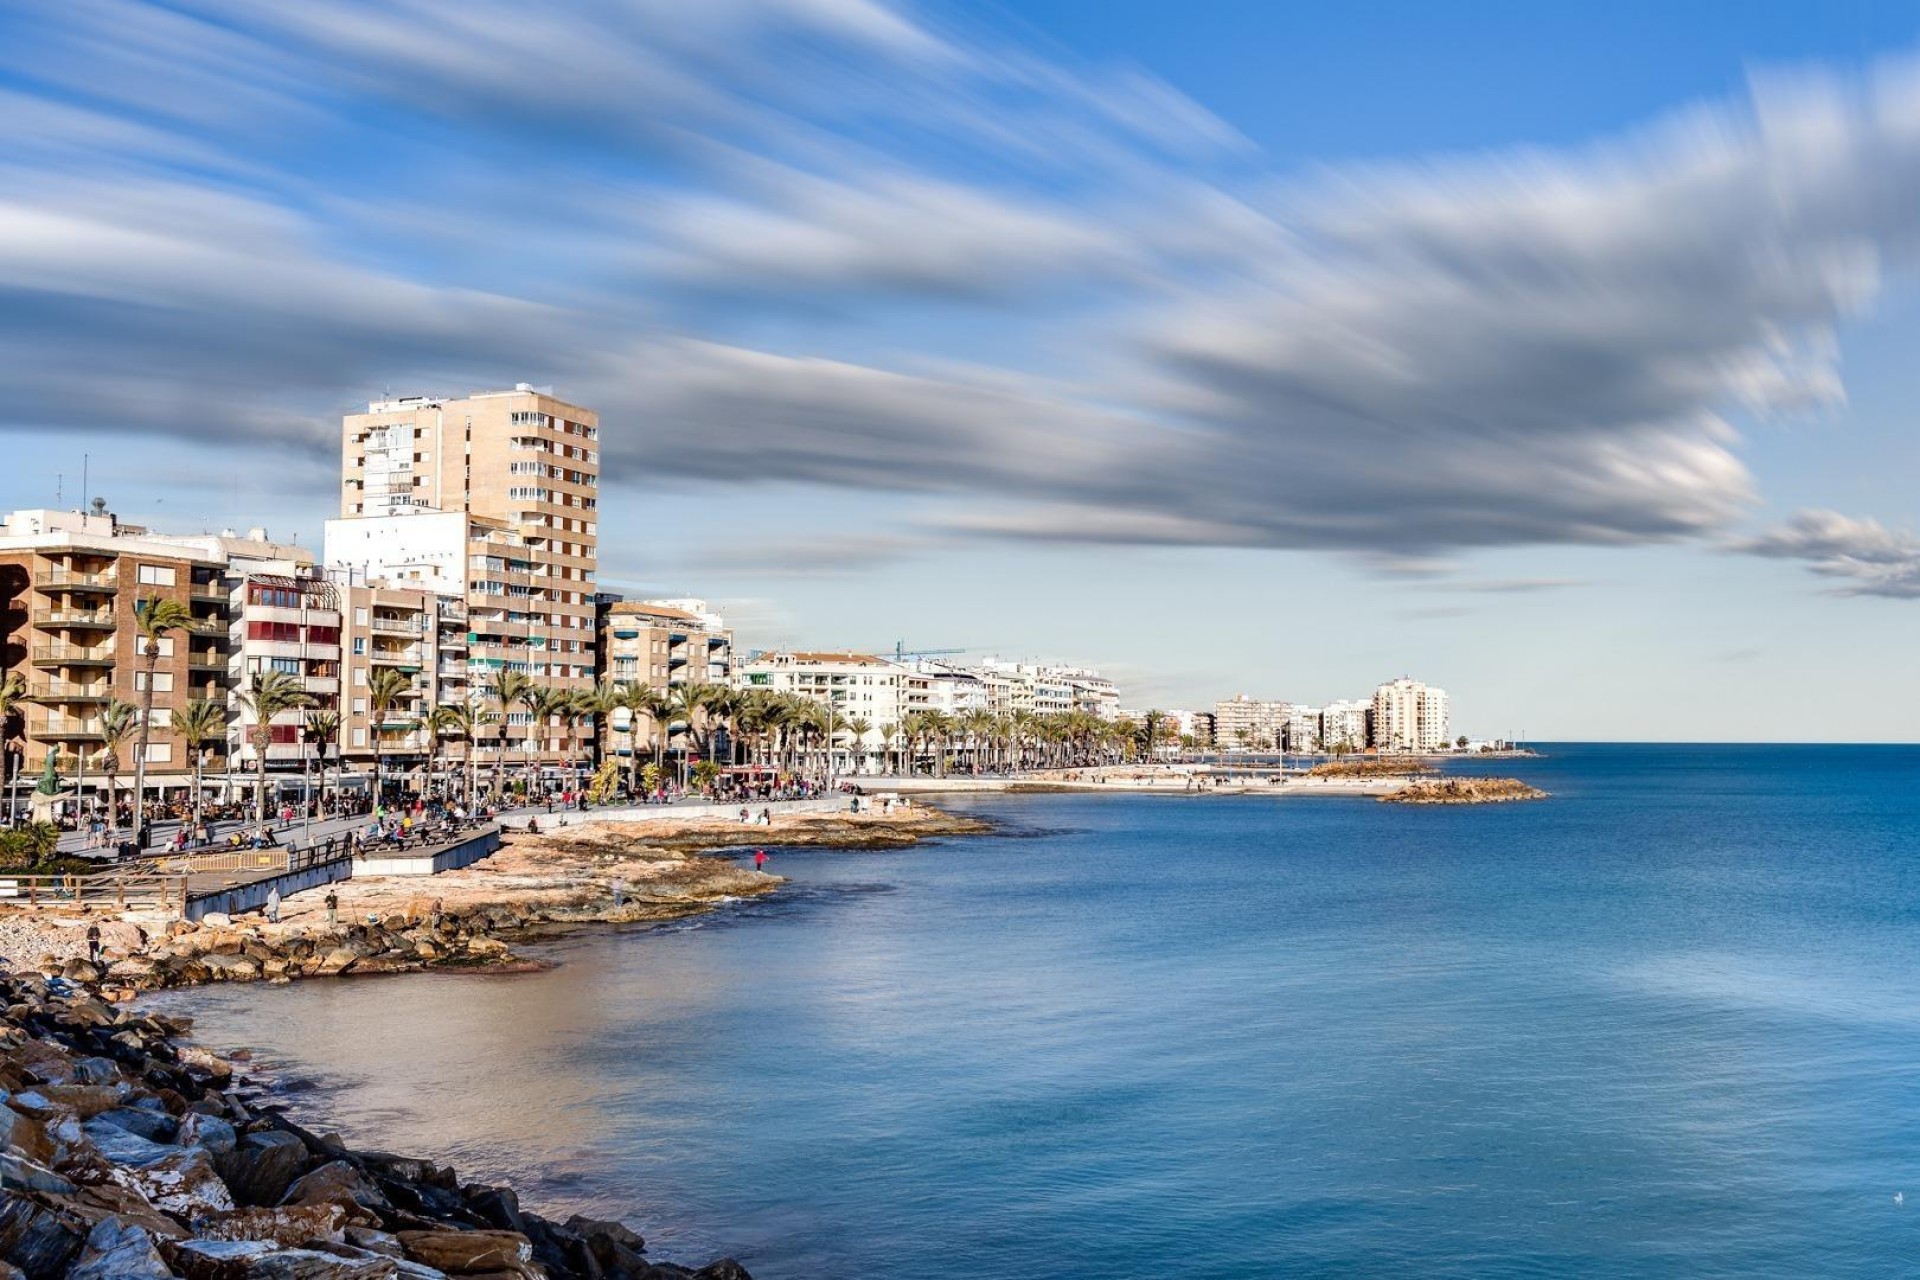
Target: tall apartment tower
[(494, 496)]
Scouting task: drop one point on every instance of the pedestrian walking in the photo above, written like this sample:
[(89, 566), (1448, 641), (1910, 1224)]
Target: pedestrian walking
[(273, 906), (759, 859), (333, 908), (93, 943)]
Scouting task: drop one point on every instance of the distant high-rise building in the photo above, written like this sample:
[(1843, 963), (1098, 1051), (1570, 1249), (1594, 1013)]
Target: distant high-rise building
[(1409, 716), (1248, 722), (1343, 725)]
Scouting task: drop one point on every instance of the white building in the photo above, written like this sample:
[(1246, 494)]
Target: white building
[(1343, 725), (1249, 723), (1409, 716), (1302, 728)]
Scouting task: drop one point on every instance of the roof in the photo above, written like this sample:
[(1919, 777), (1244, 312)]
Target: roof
[(850, 659), (635, 608)]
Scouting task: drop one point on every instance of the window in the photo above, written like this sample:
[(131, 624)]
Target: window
[(287, 666), (359, 737), (359, 645), (277, 632), (156, 575), (162, 718), (162, 681), (359, 617), (166, 646), (359, 706), (157, 752), (360, 677)]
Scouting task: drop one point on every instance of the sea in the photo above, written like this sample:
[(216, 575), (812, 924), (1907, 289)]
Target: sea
[(1665, 1023)]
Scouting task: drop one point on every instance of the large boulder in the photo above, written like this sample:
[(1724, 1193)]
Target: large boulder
[(119, 1251), (27, 1136), (263, 1166), (84, 1100), (339, 1183), (185, 1184), (155, 1126), (211, 1132), (261, 1260), (288, 1226), (123, 1146), (199, 1058), (40, 1240), (469, 1253), (17, 1173), (338, 960)]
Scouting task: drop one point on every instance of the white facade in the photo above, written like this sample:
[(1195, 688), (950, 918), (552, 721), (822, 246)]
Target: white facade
[(427, 549), (1409, 716), (1249, 722), (1302, 727), (1343, 725)]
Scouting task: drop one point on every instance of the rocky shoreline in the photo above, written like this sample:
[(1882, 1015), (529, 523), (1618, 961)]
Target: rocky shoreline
[(1464, 791), (131, 1155)]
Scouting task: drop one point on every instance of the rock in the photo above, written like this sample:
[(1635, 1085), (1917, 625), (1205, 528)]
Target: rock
[(124, 1147), (133, 968), (110, 1199), (723, 1269), (155, 1126), (79, 970), (338, 1183), (28, 1136), (288, 1226), (375, 1241), (211, 1132), (216, 920), (96, 1070), (84, 1100), (235, 967), (38, 1239), (338, 960), (200, 1059), (499, 1206), (466, 1253), (185, 1184), (263, 1166), (118, 1251), (259, 1260), (17, 1173), (484, 946), (122, 935)]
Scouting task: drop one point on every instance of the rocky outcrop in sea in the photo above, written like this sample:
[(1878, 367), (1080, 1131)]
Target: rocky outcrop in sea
[(130, 1154)]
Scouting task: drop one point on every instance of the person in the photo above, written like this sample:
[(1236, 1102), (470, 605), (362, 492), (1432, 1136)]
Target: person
[(533, 826), (619, 892), (759, 859), (766, 817), (333, 907), (273, 906), (93, 943)]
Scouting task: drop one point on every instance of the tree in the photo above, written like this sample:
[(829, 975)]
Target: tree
[(118, 722), (198, 723), (639, 700), (463, 720), (543, 703), (13, 694), (507, 687), (388, 689), (887, 732), (1461, 742), (1150, 728), (156, 617), (268, 695), (321, 728), (859, 727), (443, 721)]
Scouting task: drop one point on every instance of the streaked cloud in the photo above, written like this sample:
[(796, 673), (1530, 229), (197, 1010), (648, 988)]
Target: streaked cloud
[(850, 244), (1862, 557)]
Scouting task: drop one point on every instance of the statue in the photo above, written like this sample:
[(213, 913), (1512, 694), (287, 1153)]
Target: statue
[(49, 778)]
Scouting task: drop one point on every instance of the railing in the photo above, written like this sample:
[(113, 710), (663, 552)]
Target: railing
[(54, 691), (210, 591), (73, 618), (69, 730), (70, 578), (396, 626), (123, 892), (102, 656)]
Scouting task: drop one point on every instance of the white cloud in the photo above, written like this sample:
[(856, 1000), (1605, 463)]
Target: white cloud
[(1863, 557)]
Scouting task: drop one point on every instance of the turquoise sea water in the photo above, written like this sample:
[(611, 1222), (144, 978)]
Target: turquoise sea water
[(1665, 1024)]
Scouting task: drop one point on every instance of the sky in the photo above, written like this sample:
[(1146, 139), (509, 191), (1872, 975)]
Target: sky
[(1558, 355)]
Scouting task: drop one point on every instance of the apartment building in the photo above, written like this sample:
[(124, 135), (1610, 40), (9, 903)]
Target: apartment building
[(491, 497), (1300, 728), (290, 624), (1250, 723), (1343, 725), (662, 644), (1409, 716), (70, 582)]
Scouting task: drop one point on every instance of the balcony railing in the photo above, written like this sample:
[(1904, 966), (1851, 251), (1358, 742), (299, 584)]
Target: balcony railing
[(397, 626), (210, 591), (64, 691), (99, 618), (73, 579), (63, 729), (73, 655)]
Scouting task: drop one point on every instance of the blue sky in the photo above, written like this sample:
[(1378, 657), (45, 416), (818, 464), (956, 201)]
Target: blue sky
[(1557, 354)]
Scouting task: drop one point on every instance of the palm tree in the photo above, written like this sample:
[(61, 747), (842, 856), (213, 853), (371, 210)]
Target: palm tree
[(979, 726), (321, 728), (198, 723), (506, 688), (639, 700), (13, 694), (156, 617), (859, 727), (543, 702), (886, 746), (463, 720), (1150, 726), (270, 694), (118, 722), (388, 688), (444, 721)]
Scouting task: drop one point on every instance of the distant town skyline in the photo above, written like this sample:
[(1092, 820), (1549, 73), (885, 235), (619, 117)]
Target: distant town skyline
[(1559, 356)]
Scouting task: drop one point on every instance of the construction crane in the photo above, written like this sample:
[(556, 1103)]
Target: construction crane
[(901, 653)]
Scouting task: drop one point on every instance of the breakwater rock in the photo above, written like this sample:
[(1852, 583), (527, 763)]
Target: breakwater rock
[(1464, 791), (129, 1156)]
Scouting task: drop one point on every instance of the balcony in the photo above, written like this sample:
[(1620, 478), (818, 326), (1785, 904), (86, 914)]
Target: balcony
[(68, 691), (97, 619), (63, 729), (210, 591), (214, 625), (405, 659), (69, 655), (74, 580), (207, 660), (396, 626)]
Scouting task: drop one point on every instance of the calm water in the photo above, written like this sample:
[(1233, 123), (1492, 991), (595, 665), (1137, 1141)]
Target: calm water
[(1666, 1024)]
